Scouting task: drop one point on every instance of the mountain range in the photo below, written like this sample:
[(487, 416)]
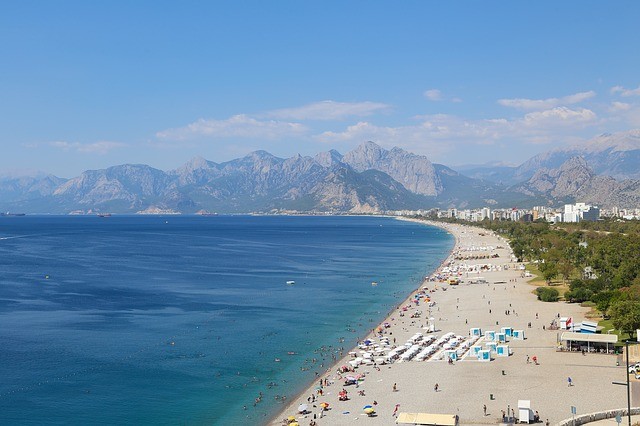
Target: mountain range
[(616, 155), (368, 179)]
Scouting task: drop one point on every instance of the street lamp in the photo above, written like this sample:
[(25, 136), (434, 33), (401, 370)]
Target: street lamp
[(628, 385)]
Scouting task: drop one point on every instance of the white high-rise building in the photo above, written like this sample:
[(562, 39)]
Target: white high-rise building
[(580, 211)]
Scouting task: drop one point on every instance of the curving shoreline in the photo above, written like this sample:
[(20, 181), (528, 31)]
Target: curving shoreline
[(468, 385), (301, 396)]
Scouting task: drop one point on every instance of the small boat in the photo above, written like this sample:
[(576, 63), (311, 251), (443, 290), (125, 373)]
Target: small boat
[(374, 283), (291, 282)]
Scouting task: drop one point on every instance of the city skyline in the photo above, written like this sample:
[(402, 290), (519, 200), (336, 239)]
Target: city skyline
[(87, 86)]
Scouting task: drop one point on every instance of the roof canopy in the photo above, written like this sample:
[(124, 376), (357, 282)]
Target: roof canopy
[(427, 419), (589, 337)]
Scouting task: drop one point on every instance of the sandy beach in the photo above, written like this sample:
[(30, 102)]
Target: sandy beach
[(467, 385)]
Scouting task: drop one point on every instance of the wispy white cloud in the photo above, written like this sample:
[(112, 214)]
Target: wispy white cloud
[(540, 104), (442, 131), (100, 147), (625, 92), (619, 106), (329, 110), (561, 116), (240, 126), (436, 95), (433, 95)]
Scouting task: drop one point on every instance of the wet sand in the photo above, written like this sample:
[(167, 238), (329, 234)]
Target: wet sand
[(467, 385)]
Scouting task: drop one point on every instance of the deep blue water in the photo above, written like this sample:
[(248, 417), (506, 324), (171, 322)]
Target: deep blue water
[(179, 320)]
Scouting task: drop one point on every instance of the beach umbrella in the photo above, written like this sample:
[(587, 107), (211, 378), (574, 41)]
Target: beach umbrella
[(302, 408), (324, 405), (367, 406)]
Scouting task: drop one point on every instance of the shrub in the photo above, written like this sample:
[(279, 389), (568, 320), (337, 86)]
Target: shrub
[(547, 294)]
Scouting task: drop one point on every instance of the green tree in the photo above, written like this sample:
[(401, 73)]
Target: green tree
[(625, 315), (565, 268), (549, 271)]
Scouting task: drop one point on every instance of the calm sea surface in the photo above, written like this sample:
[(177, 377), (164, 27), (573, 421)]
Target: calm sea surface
[(182, 320)]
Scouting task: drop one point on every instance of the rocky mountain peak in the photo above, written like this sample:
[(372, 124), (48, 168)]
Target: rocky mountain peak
[(415, 172), (328, 158), (616, 142), (260, 155), (575, 164), (364, 156), (198, 162)]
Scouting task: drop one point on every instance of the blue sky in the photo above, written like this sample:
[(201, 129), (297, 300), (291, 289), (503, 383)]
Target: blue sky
[(87, 85)]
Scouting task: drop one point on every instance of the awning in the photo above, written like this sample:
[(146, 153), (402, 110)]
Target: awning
[(426, 419), (588, 337)]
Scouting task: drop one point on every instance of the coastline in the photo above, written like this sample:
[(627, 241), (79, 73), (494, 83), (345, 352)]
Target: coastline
[(464, 394)]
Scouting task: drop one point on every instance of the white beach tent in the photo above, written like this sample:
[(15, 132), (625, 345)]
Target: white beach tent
[(475, 350), (502, 350), (484, 355), (475, 331), (525, 413), (451, 354)]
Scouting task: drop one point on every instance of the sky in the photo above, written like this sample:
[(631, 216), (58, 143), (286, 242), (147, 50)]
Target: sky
[(88, 85)]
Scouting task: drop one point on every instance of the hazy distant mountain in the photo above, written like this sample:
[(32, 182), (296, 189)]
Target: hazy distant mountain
[(575, 180), (16, 189), (366, 180), (616, 155), (493, 172)]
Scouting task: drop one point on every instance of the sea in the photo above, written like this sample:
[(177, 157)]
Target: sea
[(190, 320)]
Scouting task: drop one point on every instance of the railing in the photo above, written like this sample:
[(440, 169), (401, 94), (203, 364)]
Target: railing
[(593, 417)]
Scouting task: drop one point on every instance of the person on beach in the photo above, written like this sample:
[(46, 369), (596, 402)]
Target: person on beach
[(395, 387), (435, 387), (484, 409), (395, 410), (569, 382)]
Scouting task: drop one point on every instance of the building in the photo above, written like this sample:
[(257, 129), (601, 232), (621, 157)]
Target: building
[(579, 212)]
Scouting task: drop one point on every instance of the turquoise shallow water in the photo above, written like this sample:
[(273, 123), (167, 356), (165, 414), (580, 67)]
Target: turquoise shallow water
[(180, 320)]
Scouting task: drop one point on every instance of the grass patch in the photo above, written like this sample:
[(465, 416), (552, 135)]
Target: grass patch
[(593, 313), (537, 279), (607, 325)]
